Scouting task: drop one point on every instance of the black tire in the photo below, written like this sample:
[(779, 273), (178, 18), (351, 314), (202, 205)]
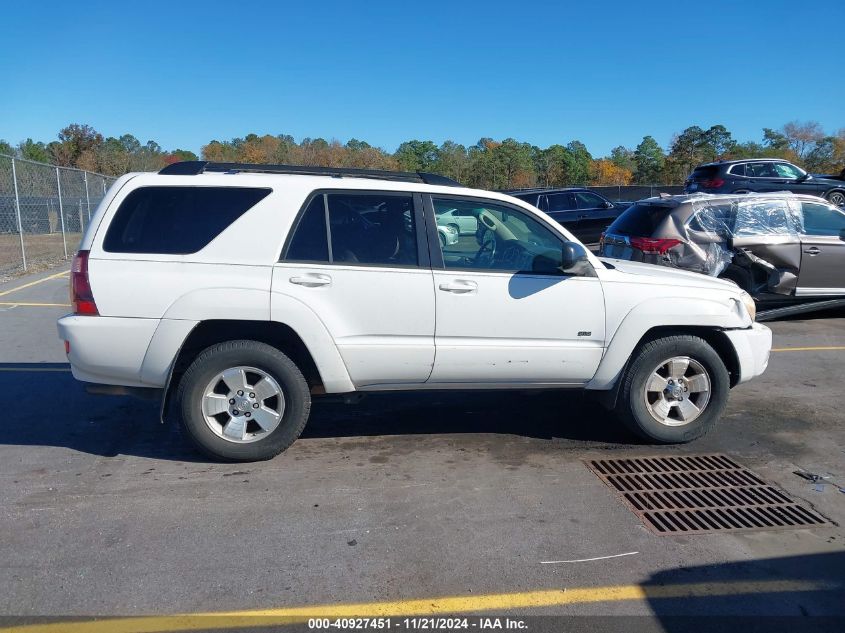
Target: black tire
[(632, 407), (442, 240), (740, 276), (217, 358), (837, 198)]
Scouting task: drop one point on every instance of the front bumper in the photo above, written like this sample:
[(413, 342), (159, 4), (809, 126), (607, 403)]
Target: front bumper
[(752, 346)]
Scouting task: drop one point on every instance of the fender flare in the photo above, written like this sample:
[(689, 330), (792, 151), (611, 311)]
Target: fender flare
[(663, 312)]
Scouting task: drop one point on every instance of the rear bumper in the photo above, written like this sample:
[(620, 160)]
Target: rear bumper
[(752, 346), (107, 350)]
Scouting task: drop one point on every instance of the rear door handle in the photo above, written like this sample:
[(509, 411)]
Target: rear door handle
[(459, 286), (312, 280), (813, 250)]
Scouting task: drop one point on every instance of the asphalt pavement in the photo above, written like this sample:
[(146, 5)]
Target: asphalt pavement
[(400, 500)]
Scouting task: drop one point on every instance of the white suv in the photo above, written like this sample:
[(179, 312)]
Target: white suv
[(239, 291)]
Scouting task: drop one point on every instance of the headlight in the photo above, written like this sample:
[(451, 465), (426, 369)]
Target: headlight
[(749, 304)]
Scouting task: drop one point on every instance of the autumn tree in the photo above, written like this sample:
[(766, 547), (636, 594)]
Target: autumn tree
[(74, 140), (605, 172)]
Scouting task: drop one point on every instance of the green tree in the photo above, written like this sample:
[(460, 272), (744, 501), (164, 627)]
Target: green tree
[(649, 161), (623, 158), (515, 167), (31, 150), (417, 155), (6, 148), (577, 163), (452, 161)]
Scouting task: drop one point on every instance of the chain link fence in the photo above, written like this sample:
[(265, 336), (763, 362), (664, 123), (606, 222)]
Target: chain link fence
[(44, 210)]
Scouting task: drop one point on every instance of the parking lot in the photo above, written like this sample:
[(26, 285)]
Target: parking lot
[(424, 503)]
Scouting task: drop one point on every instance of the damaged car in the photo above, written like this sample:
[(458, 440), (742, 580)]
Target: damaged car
[(778, 247)]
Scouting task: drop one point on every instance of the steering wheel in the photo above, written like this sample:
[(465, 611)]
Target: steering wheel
[(487, 253)]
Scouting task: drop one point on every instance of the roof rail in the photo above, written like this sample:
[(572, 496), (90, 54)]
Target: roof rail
[(194, 167)]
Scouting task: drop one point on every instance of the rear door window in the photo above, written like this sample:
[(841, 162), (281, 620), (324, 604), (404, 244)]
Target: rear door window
[(310, 241), (761, 170), (560, 202), (738, 170), (176, 220), (365, 229)]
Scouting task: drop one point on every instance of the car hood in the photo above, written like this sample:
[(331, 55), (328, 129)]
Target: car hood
[(670, 276)]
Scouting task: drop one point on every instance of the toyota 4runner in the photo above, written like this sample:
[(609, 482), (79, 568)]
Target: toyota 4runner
[(237, 292)]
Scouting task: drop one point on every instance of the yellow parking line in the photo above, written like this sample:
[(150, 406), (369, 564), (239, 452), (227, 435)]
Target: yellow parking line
[(27, 369), (421, 607), (33, 283), (26, 304), (829, 348)]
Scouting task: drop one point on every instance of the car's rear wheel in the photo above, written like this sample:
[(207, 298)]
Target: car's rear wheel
[(739, 276), (742, 191), (837, 198), (674, 390), (243, 401)]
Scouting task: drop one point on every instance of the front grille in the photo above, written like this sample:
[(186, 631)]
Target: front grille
[(700, 494)]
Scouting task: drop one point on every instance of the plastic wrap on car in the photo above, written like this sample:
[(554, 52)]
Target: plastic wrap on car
[(707, 238)]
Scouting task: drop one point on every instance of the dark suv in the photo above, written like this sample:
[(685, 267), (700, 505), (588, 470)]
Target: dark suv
[(584, 213), (763, 175)]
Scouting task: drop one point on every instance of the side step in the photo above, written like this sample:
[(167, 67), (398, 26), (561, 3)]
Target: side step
[(801, 308)]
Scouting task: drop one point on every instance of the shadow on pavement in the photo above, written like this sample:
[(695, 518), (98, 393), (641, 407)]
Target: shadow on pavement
[(790, 594), (54, 410)]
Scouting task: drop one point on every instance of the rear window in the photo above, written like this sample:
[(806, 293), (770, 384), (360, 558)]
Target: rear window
[(704, 173), (640, 220), (176, 220)]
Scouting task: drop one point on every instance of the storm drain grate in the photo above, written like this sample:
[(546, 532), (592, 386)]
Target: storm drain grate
[(700, 493)]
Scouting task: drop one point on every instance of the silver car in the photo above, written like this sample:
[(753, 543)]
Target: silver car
[(773, 245)]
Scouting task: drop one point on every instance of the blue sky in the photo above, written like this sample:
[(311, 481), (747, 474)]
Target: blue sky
[(606, 73)]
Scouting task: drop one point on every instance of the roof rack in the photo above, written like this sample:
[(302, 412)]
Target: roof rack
[(194, 167)]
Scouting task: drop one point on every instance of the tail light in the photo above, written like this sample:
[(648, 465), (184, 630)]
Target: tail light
[(653, 245), (81, 297), (713, 183)]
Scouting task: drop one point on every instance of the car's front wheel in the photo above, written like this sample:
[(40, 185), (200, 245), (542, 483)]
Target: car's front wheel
[(674, 391), (837, 198), (243, 401)]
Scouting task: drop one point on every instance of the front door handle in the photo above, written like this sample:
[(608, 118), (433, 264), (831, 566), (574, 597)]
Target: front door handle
[(813, 250), (312, 280), (460, 286)]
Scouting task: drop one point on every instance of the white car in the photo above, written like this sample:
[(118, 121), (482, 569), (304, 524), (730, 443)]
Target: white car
[(238, 292), (448, 235), (464, 223)]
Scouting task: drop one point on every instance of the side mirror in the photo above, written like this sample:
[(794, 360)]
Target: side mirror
[(803, 177), (573, 257), (570, 260), (607, 204)]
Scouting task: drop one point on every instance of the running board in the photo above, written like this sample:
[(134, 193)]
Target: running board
[(775, 313)]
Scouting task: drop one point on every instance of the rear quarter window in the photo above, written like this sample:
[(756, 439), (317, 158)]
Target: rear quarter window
[(176, 220)]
